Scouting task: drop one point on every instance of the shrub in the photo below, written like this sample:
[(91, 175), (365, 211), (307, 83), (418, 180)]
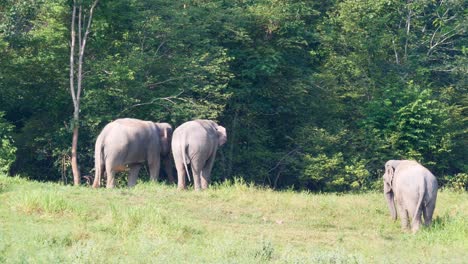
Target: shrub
[(334, 173), (7, 149), (459, 182)]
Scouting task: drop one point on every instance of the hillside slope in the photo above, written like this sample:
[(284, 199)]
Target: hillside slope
[(230, 223)]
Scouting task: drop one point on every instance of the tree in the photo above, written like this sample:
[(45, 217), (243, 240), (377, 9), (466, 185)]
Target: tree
[(75, 90), (313, 94)]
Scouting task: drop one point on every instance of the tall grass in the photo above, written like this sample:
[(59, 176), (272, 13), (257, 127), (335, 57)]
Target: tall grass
[(229, 223)]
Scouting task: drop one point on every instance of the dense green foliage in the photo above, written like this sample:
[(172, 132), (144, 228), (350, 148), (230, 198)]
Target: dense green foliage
[(314, 94), (229, 223), (7, 149)]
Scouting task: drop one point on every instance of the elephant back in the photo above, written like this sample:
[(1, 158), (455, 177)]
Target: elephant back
[(133, 139), (208, 125)]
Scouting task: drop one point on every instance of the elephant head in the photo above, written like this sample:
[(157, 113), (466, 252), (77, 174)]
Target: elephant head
[(210, 125), (222, 135), (165, 135), (388, 187)]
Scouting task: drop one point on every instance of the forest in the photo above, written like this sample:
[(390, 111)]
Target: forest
[(314, 95)]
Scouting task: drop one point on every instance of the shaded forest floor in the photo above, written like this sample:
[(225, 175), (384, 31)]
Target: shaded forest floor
[(229, 223)]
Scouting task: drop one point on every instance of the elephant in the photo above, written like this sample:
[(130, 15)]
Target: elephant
[(196, 142), (414, 189), (129, 142)]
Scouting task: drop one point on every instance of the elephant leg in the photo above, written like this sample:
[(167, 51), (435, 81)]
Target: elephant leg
[(428, 211), (133, 174), (196, 171), (416, 223), (98, 176), (112, 168), (415, 213), (167, 164), (403, 216), (206, 172), (181, 174), (404, 219), (110, 179), (204, 180), (97, 182), (424, 213), (154, 167)]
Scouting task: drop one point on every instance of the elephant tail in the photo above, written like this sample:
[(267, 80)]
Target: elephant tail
[(98, 162), (184, 148), (421, 193)]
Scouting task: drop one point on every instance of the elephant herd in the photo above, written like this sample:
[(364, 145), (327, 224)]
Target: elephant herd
[(129, 143)]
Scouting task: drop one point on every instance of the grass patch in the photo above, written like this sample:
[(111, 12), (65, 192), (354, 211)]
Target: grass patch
[(40, 202), (229, 223)]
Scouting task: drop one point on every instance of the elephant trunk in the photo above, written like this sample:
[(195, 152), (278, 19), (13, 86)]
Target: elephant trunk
[(391, 204)]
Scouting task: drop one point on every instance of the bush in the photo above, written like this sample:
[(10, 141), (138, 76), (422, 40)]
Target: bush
[(7, 149), (334, 173), (459, 182)]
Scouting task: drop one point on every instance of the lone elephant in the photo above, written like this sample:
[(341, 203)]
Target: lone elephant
[(129, 142), (195, 143), (414, 188)]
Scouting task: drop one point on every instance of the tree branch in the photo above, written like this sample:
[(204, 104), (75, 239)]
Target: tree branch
[(72, 54), (396, 52), (153, 85), (159, 47), (82, 49), (443, 38), (80, 27), (408, 27), (284, 157), (169, 99)]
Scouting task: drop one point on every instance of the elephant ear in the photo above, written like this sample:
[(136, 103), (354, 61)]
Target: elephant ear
[(165, 135), (222, 135), (165, 130), (388, 178)]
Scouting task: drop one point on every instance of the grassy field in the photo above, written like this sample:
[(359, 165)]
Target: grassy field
[(230, 223)]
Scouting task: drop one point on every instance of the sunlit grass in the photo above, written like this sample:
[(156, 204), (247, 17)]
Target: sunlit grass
[(229, 223)]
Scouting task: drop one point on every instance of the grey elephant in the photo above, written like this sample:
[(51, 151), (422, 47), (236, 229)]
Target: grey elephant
[(414, 188), (129, 142), (195, 143)]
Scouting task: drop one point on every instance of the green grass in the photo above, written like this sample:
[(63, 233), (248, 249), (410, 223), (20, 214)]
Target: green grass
[(229, 223)]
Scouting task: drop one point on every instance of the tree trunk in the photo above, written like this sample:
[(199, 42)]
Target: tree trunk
[(76, 91), (74, 154), (74, 160)]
